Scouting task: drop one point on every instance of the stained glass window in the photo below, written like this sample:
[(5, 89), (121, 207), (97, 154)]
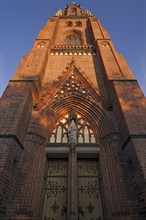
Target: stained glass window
[(85, 132)]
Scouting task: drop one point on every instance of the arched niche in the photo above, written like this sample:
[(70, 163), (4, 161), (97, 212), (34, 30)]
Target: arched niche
[(73, 37)]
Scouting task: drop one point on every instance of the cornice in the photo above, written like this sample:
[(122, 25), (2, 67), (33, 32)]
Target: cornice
[(73, 17), (73, 50), (72, 47)]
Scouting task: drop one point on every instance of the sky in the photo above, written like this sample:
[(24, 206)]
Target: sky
[(21, 21)]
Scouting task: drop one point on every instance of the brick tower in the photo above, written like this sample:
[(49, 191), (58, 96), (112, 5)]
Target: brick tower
[(73, 138)]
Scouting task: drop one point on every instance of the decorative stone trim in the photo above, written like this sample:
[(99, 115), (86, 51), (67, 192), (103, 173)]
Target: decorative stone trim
[(73, 53), (94, 20), (72, 47), (14, 137), (80, 50), (62, 80), (72, 17), (74, 86), (41, 44), (105, 44), (105, 140), (35, 138)]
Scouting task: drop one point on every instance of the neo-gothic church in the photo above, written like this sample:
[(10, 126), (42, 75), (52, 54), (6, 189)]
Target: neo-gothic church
[(73, 129)]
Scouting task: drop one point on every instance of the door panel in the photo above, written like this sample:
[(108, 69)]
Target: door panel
[(89, 193), (55, 205)]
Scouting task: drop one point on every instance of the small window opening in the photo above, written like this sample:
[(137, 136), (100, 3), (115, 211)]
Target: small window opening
[(69, 24), (73, 11), (78, 24)]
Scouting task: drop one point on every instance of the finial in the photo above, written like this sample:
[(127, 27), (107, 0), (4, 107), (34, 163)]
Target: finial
[(59, 12), (72, 60), (88, 13)]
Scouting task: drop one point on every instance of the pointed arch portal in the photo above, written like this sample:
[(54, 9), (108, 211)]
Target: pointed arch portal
[(74, 92)]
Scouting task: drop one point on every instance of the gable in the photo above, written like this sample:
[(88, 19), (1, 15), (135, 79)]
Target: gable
[(73, 83)]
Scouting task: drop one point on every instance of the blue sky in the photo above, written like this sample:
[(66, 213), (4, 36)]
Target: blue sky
[(21, 21)]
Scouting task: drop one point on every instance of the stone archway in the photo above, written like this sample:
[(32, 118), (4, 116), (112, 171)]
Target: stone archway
[(96, 116)]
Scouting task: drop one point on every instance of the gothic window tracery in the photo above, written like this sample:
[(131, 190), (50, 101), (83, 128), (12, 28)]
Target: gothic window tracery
[(73, 37), (85, 132), (73, 40), (59, 134)]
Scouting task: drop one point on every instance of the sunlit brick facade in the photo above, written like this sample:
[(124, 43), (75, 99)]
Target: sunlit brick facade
[(73, 66)]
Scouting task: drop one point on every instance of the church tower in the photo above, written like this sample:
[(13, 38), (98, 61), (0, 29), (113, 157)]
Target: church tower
[(73, 128)]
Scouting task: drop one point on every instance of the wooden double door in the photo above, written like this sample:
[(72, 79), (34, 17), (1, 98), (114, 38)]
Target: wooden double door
[(55, 202)]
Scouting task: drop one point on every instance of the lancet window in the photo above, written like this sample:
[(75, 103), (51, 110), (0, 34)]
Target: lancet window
[(73, 40), (74, 11), (85, 133), (73, 37)]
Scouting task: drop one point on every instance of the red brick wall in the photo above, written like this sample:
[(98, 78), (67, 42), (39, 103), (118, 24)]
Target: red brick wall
[(121, 124), (16, 109)]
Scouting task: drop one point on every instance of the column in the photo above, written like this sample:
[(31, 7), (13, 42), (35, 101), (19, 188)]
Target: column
[(72, 211)]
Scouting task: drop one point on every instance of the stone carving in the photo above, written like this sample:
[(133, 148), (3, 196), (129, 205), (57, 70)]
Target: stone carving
[(72, 129), (105, 44), (41, 44), (72, 133)]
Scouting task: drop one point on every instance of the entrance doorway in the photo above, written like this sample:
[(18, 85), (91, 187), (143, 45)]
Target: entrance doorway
[(55, 204)]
